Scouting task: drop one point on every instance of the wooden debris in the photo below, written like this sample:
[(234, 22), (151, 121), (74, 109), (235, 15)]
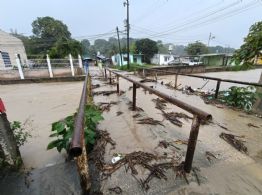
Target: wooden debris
[(105, 106), (233, 141), (95, 86), (147, 80), (223, 127), (149, 121), (160, 103), (166, 144), (107, 93), (210, 155), (172, 117), (119, 113), (180, 142), (130, 107), (116, 190), (252, 125), (137, 115), (182, 115)]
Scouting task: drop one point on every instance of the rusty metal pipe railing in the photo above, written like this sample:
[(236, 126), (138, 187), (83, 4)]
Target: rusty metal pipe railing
[(78, 133), (198, 115), (195, 111)]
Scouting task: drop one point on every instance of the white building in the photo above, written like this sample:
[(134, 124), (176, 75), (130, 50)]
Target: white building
[(10, 46), (162, 59)]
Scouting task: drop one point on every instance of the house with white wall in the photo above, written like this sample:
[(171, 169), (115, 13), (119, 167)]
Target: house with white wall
[(162, 59), (10, 47), (134, 58)]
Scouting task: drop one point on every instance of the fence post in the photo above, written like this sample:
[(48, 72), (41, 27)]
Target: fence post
[(134, 96), (49, 66), (71, 65), (80, 61), (217, 88), (117, 84), (20, 70), (192, 144), (176, 81)]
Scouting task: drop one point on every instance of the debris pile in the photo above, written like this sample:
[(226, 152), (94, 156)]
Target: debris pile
[(147, 80), (233, 141), (107, 93), (105, 106), (172, 117), (149, 121), (160, 103), (95, 86)]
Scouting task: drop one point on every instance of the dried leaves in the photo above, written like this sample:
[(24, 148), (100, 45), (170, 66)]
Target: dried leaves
[(172, 117), (105, 106), (149, 121), (233, 141), (160, 103)]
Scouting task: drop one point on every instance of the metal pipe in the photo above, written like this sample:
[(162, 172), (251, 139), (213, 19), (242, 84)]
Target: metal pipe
[(192, 143), (176, 81), (78, 133), (195, 111), (117, 84), (134, 96), (217, 89), (105, 74)]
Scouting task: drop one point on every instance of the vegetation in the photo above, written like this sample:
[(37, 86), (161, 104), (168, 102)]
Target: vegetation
[(240, 97), (252, 47), (20, 133), (196, 48), (147, 47), (63, 130), (133, 67)]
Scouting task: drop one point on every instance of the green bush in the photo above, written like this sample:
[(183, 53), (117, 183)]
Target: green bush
[(63, 129), (20, 134), (240, 97)]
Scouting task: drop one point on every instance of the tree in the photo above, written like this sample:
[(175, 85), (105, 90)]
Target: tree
[(196, 48), (85, 47), (161, 47), (251, 48), (147, 47)]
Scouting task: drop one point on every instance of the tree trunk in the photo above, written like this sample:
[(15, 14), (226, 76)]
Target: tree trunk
[(258, 105)]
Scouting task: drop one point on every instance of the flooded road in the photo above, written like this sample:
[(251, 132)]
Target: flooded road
[(246, 76), (232, 172), (40, 105)]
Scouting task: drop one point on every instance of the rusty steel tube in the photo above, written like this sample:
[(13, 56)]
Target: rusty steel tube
[(195, 111), (78, 133), (192, 144)]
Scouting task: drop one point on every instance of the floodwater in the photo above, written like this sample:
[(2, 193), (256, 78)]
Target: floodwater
[(207, 85), (231, 173), (40, 105)]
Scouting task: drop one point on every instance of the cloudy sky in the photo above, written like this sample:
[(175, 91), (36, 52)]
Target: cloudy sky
[(174, 21)]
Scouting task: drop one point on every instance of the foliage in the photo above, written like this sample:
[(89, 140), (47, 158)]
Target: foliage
[(251, 48), (63, 130), (133, 67), (147, 47), (20, 133), (196, 48), (240, 97)]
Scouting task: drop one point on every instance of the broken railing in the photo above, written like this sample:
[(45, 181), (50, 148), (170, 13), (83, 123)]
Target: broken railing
[(198, 114), (219, 80)]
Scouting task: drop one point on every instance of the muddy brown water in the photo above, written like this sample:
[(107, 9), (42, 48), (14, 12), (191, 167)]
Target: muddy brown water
[(232, 173)]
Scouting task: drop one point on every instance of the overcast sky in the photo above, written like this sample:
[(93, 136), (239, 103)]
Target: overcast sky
[(175, 21)]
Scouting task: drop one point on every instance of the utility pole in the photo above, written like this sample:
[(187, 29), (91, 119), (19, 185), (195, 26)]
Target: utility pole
[(209, 38), (120, 52), (126, 3)]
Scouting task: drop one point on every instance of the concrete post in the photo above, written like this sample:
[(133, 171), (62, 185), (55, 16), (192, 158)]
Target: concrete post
[(20, 70), (71, 65), (258, 104), (80, 61), (49, 66)]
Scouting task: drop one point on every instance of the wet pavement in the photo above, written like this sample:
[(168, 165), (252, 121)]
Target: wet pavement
[(232, 172)]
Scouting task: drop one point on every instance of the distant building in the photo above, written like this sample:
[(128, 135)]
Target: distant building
[(216, 59), (162, 59), (9, 47), (134, 58)]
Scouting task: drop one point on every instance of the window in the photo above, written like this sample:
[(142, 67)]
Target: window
[(6, 59), (125, 58), (166, 58), (135, 59)]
